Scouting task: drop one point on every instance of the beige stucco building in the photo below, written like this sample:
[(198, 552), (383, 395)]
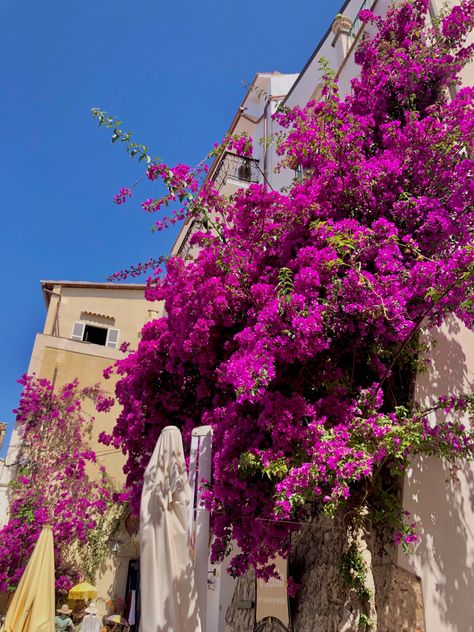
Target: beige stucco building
[(84, 327)]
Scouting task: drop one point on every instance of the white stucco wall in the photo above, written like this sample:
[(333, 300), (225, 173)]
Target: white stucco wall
[(338, 53), (442, 505), (254, 117)]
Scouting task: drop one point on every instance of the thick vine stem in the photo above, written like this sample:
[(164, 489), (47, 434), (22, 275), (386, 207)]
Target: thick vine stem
[(357, 573)]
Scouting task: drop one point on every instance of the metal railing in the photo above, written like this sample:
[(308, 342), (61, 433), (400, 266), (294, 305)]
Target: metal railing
[(186, 247), (238, 168), (357, 24)]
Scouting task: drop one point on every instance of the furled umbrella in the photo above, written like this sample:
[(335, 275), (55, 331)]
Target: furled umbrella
[(84, 591), (169, 600), (32, 606)]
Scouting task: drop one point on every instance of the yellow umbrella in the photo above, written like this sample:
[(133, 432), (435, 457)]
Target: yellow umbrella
[(118, 619), (84, 590), (32, 606)]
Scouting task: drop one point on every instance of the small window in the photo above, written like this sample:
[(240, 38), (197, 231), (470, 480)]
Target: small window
[(95, 335), (299, 173), (103, 336)]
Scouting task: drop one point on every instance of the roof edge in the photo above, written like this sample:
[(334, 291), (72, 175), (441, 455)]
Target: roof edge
[(93, 284), (315, 52)]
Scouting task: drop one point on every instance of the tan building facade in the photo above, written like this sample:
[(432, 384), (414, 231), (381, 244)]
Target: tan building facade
[(85, 325)]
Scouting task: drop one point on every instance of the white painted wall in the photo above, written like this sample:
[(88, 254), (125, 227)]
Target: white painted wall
[(338, 53), (254, 118), (442, 506), (7, 472)]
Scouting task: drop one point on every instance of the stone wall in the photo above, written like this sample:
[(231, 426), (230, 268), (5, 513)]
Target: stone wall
[(240, 616), (323, 604)]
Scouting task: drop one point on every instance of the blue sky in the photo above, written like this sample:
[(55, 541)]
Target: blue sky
[(172, 72)]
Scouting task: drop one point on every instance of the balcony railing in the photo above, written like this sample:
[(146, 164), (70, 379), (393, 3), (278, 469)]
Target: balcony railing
[(357, 24), (186, 247), (238, 168)]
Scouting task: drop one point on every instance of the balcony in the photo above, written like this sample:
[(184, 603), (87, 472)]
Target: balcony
[(238, 170), (357, 24)]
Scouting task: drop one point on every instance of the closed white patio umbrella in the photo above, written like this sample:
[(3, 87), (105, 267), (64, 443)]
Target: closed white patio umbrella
[(169, 601)]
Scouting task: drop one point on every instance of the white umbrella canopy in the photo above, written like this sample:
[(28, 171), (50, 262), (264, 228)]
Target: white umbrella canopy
[(169, 601)]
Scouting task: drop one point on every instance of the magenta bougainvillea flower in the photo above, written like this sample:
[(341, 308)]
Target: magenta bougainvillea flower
[(53, 486), (290, 328)]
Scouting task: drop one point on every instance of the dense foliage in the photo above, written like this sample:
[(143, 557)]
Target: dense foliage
[(293, 331), (53, 486)]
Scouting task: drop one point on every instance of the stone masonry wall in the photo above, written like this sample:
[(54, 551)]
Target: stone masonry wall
[(323, 604)]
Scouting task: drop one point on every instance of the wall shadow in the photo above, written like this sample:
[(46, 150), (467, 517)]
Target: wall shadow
[(441, 500), (445, 555)]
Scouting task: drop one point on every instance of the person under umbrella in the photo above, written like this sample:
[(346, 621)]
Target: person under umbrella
[(169, 601), (63, 621), (117, 622)]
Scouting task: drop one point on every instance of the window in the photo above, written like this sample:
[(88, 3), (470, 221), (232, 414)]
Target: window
[(299, 172), (104, 336), (244, 172), (95, 335)]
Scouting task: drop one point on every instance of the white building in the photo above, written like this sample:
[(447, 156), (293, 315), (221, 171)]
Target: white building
[(230, 172), (444, 559)]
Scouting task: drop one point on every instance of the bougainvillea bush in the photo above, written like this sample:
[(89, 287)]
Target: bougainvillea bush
[(294, 330), (53, 487)]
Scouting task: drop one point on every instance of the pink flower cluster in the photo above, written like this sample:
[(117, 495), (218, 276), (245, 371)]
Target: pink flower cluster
[(240, 144), (292, 330), (52, 486), (122, 196)]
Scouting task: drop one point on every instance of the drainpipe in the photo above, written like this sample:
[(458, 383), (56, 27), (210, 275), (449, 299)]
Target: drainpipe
[(265, 139), (256, 120), (58, 302), (266, 136)]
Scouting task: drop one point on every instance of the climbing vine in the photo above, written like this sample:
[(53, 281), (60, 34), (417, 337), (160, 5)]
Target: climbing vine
[(294, 330), (60, 483)]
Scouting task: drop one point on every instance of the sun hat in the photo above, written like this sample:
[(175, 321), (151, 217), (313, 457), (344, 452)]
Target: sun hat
[(64, 610)]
